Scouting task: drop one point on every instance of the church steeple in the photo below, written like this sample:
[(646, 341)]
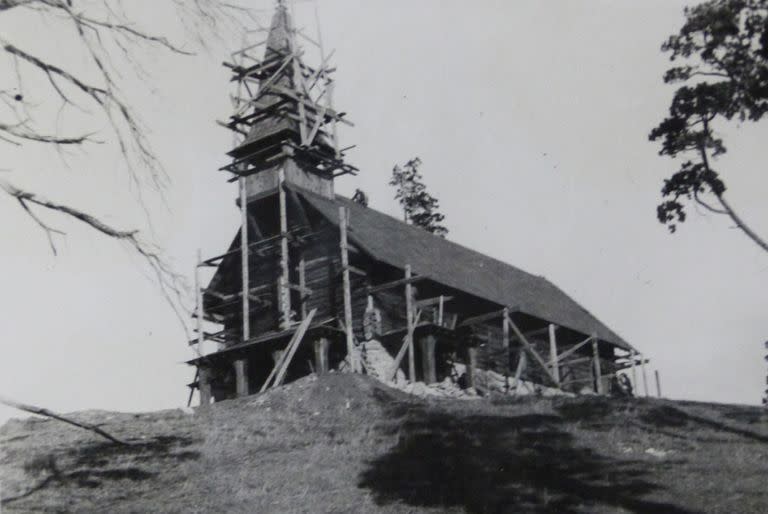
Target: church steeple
[(284, 111)]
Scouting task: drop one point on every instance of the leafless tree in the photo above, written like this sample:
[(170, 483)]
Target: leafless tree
[(108, 39)]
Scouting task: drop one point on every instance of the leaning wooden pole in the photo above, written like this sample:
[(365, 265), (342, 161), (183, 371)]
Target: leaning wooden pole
[(658, 383), (410, 327), (343, 226)]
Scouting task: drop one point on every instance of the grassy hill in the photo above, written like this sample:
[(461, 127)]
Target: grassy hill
[(344, 443)]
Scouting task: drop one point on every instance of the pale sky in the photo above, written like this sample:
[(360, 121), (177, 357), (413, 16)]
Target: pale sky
[(531, 118)]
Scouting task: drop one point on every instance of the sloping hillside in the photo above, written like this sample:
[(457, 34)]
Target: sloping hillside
[(346, 443)]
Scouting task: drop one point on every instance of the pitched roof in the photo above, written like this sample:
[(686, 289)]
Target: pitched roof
[(396, 243)]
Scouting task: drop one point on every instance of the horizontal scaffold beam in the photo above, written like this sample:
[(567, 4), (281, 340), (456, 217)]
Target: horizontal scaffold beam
[(393, 284)]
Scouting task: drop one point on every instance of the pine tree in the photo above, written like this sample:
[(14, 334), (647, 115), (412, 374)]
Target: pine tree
[(419, 207)]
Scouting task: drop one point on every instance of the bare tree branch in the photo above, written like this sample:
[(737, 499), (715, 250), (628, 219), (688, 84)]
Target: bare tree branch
[(48, 414), (172, 285)]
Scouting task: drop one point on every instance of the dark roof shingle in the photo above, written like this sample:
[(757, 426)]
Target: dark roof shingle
[(396, 243)]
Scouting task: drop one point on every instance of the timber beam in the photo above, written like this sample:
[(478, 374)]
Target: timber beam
[(394, 283)]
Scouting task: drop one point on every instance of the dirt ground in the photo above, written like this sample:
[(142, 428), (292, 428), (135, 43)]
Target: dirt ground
[(344, 443)]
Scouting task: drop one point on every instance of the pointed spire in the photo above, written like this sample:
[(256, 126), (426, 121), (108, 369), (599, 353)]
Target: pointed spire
[(280, 33), (291, 112)]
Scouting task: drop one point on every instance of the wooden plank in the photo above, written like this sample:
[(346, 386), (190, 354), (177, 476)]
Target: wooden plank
[(553, 352), (633, 356), (303, 287), (200, 307), (409, 318), (246, 314), (403, 349), (529, 347), (645, 377), (521, 364), (343, 226), (293, 346), (483, 317), (574, 349), (573, 362), (598, 374), (395, 283), (241, 377), (428, 302), (283, 291)]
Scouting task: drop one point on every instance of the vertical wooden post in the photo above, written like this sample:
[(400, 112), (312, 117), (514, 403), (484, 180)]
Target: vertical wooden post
[(505, 345), (633, 356), (200, 306), (204, 384), (244, 260), (241, 377), (658, 383), (343, 225), (410, 327), (598, 374), (521, 364), (428, 359), (553, 353), (284, 290), (321, 355), (472, 366), (645, 376), (303, 287), (440, 311)]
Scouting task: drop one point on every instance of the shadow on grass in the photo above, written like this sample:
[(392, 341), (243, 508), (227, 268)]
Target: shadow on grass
[(90, 464), (525, 463), (667, 416)]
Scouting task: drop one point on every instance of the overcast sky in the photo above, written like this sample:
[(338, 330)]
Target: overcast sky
[(531, 118)]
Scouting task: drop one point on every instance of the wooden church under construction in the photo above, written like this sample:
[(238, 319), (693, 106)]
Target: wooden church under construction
[(311, 278)]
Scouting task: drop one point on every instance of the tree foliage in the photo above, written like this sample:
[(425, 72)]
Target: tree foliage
[(419, 207), (721, 57)]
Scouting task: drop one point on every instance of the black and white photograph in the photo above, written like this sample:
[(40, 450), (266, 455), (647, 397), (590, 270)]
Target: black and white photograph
[(384, 256)]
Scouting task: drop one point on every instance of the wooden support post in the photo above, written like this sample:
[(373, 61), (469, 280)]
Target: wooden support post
[(472, 366), (645, 376), (410, 328), (658, 383), (241, 377), (521, 364), (428, 358), (204, 384), (321, 355), (596, 357), (530, 349), (284, 291), (553, 353), (303, 287), (244, 260), (633, 356), (200, 307), (440, 311), (505, 344), (343, 226), (293, 345)]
